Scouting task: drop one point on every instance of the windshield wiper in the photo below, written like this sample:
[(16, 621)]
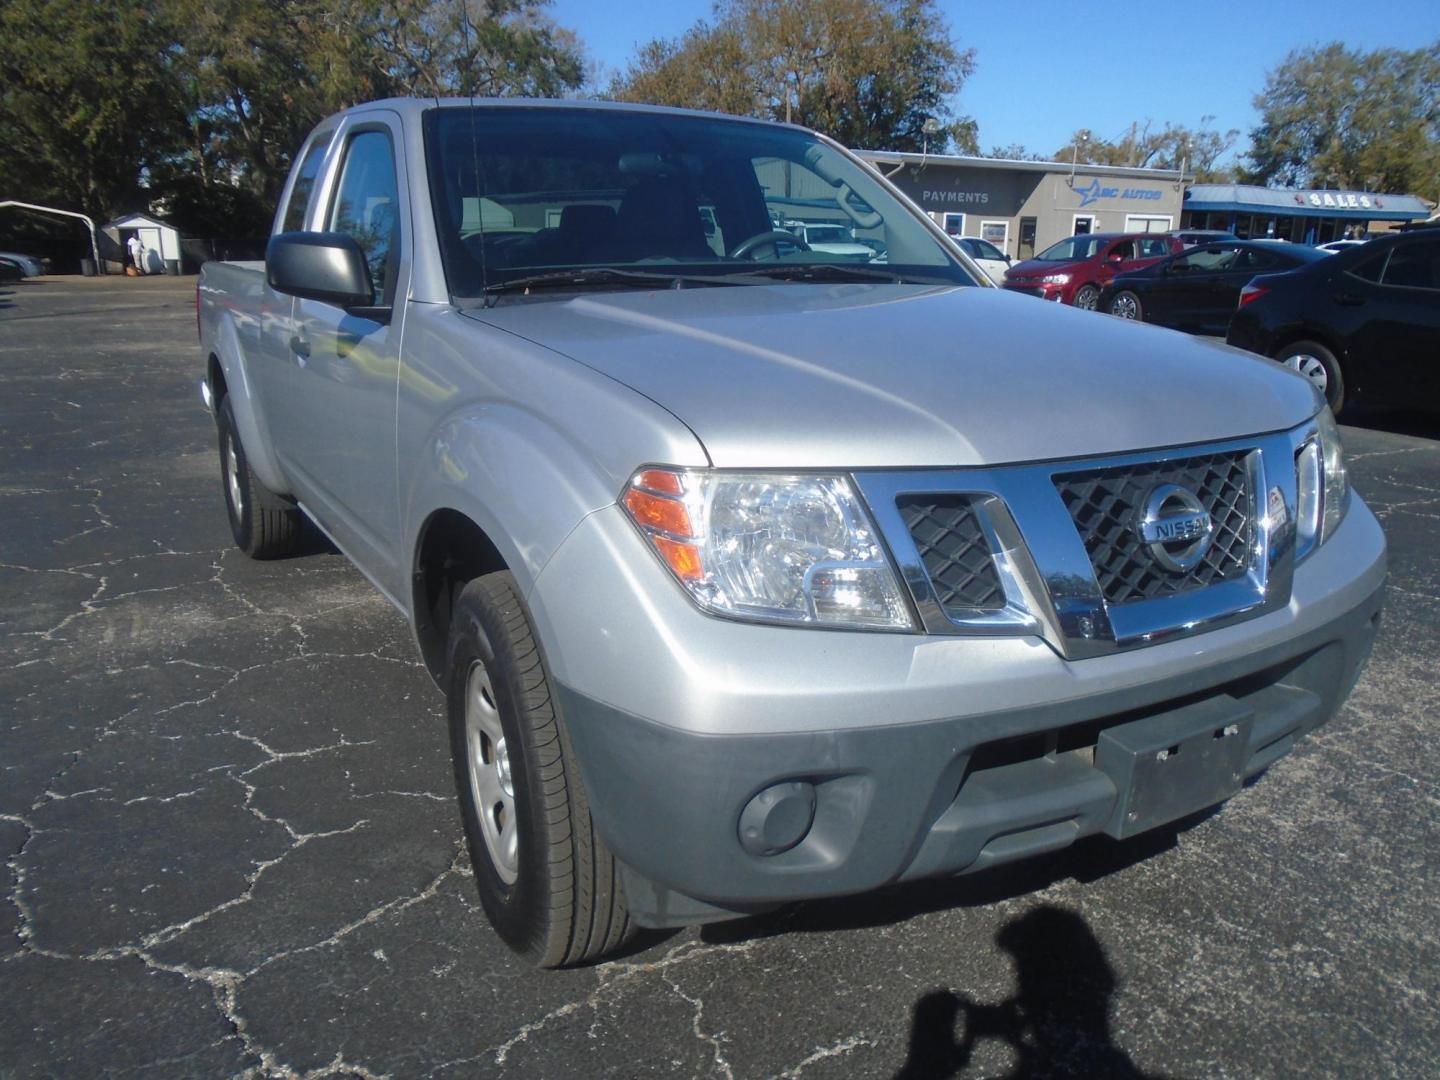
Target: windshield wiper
[(604, 275), (835, 272)]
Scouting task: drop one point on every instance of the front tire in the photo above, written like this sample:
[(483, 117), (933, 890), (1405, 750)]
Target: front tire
[(265, 526), (547, 882), (1126, 305), (1320, 366), (1086, 297)]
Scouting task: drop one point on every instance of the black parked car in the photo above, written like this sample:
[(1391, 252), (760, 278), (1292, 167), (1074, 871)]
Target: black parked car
[(1199, 289), (1361, 323)]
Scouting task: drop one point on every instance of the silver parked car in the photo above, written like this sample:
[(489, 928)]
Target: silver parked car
[(752, 573)]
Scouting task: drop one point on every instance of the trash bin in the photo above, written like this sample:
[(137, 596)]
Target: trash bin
[(87, 267), (172, 267)]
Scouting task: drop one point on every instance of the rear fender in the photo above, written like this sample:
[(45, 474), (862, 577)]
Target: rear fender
[(227, 346)]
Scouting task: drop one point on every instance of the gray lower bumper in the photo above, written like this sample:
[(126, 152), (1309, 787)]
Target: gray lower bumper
[(947, 796)]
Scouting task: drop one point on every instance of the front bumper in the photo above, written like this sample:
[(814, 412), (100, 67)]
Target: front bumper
[(1049, 291), (920, 756)]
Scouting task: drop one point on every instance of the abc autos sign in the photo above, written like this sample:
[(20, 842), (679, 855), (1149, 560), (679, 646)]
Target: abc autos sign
[(1094, 193)]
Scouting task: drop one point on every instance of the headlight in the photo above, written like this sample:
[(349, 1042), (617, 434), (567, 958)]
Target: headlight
[(778, 548), (1323, 489), (1056, 279)]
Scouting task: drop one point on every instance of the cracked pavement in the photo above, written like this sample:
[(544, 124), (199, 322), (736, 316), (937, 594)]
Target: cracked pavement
[(231, 847)]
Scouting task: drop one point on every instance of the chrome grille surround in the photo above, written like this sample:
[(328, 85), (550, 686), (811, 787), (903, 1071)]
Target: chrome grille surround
[(1050, 584)]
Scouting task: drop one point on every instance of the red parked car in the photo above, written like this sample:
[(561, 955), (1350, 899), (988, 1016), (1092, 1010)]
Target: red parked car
[(1075, 270)]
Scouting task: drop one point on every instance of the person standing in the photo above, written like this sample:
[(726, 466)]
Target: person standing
[(137, 252)]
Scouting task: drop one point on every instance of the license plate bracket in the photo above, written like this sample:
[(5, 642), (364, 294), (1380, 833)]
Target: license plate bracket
[(1174, 763)]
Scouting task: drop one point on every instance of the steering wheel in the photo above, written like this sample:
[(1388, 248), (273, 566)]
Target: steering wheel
[(773, 237)]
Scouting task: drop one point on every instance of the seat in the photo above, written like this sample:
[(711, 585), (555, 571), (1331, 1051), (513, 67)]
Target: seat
[(659, 218), (588, 230)]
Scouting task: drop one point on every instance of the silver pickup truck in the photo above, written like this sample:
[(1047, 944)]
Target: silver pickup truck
[(753, 573)]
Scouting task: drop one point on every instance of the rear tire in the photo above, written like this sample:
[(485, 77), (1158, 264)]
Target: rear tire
[(1320, 366), (265, 525), (1126, 305), (1086, 297), (547, 882)]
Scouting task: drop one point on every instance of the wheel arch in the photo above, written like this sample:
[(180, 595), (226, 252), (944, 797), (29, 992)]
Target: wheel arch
[(1321, 336), (226, 368), (451, 550)]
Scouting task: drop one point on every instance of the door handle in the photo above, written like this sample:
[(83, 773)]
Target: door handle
[(299, 346), (1348, 299)]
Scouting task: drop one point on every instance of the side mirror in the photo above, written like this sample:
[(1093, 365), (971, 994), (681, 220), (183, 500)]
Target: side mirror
[(1115, 257), (329, 267), (1007, 259)]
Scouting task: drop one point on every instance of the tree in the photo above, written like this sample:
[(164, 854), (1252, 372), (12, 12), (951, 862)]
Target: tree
[(1332, 116), (260, 75), (198, 105), (84, 113), (869, 73), (1173, 147), (1015, 152)]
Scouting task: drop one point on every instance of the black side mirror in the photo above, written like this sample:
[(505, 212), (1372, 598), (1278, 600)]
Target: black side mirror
[(324, 266)]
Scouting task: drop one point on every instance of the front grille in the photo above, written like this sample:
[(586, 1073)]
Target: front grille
[(956, 555), (1106, 503)]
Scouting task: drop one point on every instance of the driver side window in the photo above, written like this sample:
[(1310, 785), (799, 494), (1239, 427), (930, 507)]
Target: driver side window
[(366, 206)]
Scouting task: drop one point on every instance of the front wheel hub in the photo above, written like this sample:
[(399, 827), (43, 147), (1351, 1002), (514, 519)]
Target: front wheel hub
[(492, 783)]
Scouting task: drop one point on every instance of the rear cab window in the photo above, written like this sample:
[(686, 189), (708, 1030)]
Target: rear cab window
[(297, 207)]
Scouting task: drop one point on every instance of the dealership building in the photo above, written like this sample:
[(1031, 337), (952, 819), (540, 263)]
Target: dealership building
[(1301, 216), (1022, 207)]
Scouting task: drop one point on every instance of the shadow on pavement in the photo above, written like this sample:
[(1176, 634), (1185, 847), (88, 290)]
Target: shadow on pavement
[(1056, 1024)]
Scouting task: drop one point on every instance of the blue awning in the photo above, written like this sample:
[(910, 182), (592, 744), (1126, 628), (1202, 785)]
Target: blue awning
[(1288, 202)]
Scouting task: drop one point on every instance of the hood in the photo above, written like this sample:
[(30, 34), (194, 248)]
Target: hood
[(1040, 267), (855, 376)]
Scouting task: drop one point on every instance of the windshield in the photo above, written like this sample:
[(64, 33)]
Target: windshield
[(525, 191), (1073, 249)]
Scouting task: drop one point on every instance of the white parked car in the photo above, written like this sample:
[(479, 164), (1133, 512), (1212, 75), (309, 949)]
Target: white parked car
[(991, 259), (1338, 245), (832, 239), (31, 266)]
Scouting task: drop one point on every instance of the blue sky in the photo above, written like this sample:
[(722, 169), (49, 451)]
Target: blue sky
[(1047, 67)]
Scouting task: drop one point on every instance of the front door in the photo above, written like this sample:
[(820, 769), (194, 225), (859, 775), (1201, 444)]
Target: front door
[(347, 365), (154, 261), (1026, 248), (1401, 316)]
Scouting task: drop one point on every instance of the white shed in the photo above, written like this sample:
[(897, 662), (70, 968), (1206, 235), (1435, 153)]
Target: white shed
[(162, 241)]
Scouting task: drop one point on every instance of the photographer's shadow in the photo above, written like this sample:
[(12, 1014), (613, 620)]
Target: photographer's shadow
[(1056, 1024)]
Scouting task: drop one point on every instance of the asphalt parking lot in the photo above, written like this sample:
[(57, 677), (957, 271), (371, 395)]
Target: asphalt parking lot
[(231, 844)]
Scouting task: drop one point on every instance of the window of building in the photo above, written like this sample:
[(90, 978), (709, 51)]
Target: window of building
[(996, 232), (1148, 223)]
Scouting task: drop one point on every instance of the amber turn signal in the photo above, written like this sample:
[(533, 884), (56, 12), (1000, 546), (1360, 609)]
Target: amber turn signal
[(658, 512)]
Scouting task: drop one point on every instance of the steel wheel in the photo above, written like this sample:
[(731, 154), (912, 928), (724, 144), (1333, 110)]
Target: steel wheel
[(232, 479), (491, 785), (1087, 297), (1312, 367), (1125, 306)]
